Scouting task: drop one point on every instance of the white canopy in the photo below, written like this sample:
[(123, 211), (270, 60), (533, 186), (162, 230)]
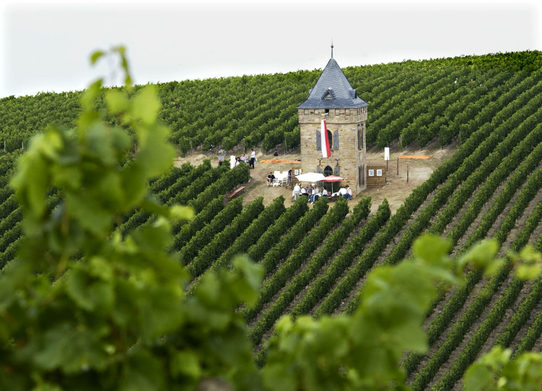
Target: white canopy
[(310, 177)]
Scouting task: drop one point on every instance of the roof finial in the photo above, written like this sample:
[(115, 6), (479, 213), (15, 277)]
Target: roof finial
[(331, 48)]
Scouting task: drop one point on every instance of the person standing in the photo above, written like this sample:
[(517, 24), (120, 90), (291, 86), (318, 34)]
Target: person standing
[(289, 178), (252, 159), (348, 193), (221, 157), (296, 191)]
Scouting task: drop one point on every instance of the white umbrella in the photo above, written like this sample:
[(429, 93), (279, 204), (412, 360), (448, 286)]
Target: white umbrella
[(310, 177)]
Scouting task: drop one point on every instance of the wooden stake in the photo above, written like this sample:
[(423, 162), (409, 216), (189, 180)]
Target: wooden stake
[(407, 173), (397, 166)]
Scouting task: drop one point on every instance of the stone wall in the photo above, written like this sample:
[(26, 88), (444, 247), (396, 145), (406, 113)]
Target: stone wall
[(350, 158)]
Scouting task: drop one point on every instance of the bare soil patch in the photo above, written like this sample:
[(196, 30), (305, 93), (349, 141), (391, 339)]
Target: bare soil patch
[(395, 190)]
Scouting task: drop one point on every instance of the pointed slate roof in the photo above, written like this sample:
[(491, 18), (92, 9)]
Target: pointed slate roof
[(332, 91)]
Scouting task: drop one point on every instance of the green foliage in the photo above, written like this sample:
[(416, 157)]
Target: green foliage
[(85, 307), (344, 259), (361, 351), (95, 300), (411, 102), (258, 250), (255, 231), (225, 183), (208, 232), (313, 265), (288, 268), (360, 265), (496, 371), (294, 236), (187, 231), (216, 245)]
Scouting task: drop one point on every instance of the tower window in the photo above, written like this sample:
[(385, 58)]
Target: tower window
[(335, 140), (328, 171), (360, 137), (329, 94), (361, 175), (327, 111)]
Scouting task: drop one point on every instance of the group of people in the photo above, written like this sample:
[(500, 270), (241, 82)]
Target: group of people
[(310, 191), (236, 160), (314, 193), (346, 192)]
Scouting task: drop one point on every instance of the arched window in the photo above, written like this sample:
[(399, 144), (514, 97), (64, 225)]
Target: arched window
[(335, 140), (328, 171), (318, 141), (330, 139), (337, 171)]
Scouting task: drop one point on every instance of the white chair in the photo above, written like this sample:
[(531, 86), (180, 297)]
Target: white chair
[(277, 176), (277, 180)]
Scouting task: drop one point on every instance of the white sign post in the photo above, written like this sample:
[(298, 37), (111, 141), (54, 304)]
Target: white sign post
[(387, 156)]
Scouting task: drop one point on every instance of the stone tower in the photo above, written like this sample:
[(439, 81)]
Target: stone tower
[(334, 99)]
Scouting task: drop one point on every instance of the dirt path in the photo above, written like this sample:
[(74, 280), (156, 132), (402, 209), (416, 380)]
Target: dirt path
[(396, 189)]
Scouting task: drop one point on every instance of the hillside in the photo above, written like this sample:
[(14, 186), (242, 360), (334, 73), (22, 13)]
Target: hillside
[(409, 102), (316, 258)]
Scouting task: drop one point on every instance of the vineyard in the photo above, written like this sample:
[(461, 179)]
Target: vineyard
[(316, 258)]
